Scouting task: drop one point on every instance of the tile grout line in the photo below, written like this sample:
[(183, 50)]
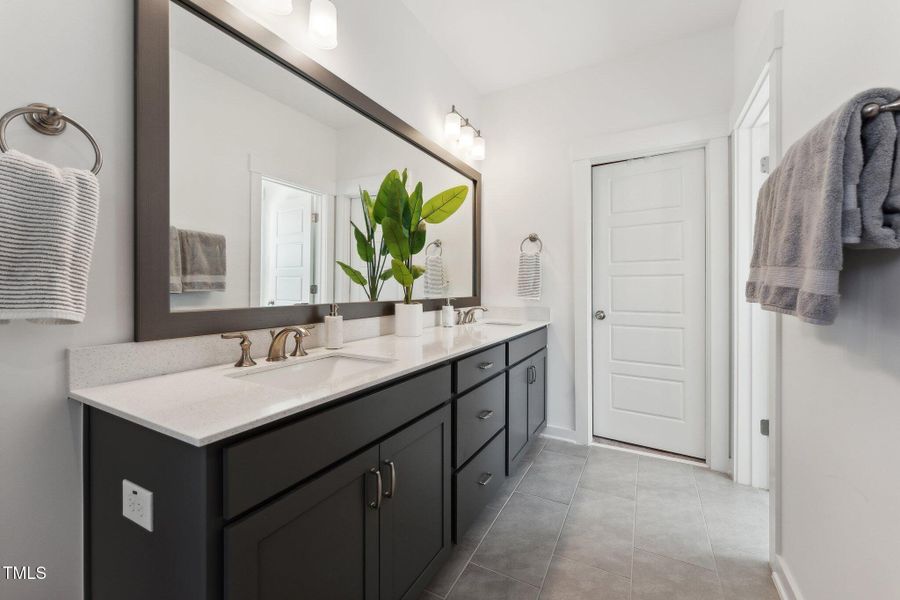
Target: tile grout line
[(471, 560), (565, 518), (706, 528), (637, 474)]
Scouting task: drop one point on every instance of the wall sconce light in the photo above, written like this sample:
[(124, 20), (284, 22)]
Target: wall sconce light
[(457, 127), (323, 24), (275, 7)]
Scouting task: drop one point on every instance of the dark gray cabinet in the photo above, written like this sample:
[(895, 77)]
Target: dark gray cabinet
[(537, 392), (527, 404), (377, 526)]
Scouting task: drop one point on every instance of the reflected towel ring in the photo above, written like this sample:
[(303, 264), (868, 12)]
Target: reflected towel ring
[(532, 237), (437, 244), (48, 120)]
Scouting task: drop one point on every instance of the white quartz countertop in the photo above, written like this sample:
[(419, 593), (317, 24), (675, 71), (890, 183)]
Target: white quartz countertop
[(208, 405)]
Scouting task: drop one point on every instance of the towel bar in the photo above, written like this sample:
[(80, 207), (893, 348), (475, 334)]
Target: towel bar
[(873, 108), (437, 244), (532, 237), (47, 120)]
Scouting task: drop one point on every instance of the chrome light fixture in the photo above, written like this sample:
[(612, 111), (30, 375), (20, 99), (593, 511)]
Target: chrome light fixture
[(477, 147), (323, 24), (274, 7), (459, 129)]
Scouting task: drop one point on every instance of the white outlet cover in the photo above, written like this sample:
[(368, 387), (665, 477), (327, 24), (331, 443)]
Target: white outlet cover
[(137, 504)]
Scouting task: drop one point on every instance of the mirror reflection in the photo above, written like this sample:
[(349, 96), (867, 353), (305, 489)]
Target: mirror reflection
[(269, 176)]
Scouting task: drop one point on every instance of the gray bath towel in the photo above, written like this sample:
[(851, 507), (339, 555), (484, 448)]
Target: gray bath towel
[(836, 186), (48, 220), (203, 265), (174, 261)]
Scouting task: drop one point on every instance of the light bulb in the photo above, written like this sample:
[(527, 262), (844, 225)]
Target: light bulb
[(275, 7), (452, 123), (478, 148), (466, 136), (323, 24)]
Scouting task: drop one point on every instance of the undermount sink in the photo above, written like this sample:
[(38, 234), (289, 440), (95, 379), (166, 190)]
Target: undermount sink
[(313, 371), (501, 322)]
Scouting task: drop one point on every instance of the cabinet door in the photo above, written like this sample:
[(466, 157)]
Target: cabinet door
[(517, 410), (537, 392), (319, 541), (415, 513)]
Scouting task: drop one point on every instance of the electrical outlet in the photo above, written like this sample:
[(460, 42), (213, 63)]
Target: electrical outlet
[(137, 504)]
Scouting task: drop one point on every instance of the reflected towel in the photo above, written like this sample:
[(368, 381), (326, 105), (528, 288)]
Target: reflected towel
[(834, 188), (436, 283), (530, 276), (174, 261), (48, 221), (203, 266)]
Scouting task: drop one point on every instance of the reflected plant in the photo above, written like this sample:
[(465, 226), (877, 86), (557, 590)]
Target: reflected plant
[(403, 217)]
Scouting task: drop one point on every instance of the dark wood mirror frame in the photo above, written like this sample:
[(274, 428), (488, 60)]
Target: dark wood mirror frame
[(153, 317)]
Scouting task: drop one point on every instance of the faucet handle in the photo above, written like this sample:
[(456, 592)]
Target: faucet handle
[(299, 334), (246, 360)]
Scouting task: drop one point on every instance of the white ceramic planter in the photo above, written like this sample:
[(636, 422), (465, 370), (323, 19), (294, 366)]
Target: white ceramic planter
[(408, 320)]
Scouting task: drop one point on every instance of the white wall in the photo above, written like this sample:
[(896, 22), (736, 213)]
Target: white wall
[(79, 56), (530, 130), (840, 408)]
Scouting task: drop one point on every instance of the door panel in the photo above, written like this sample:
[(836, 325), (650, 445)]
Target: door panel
[(517, 411), (537, 392), (415, 513), (320, 541), (649, 257)]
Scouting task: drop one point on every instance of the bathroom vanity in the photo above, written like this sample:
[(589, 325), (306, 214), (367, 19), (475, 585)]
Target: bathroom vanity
[(343, 474)]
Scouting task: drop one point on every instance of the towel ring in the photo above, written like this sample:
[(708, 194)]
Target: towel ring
[(532, 237), (48, 120), (437, 244)]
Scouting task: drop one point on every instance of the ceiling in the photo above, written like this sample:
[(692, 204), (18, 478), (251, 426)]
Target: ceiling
[(504, 43)]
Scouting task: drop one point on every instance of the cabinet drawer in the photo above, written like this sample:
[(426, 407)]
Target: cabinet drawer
[(478, 483), (261, 466), (480, 414), (478, 367), (527, 345)]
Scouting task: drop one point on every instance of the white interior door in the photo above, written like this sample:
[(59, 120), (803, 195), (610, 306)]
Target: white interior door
[(286, 244), (649, 288)]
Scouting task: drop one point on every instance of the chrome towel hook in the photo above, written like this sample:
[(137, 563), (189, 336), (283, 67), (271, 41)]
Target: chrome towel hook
[(437, 244), (48, 120), (532, 237)]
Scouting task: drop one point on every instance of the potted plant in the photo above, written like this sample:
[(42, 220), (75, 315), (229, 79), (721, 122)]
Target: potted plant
[(374, 254), (403, 217)]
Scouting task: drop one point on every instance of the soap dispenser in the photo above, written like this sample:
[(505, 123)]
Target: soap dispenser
[(334, 329), (448, 316)]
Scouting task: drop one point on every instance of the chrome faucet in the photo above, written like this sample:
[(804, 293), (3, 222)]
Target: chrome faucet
[(279, 341), (468, 316)]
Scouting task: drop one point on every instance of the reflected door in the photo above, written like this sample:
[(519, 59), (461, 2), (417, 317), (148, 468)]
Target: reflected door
[(287, 218), (649, 281)]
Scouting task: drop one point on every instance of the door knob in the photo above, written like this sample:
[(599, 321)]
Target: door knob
[(599, 315)]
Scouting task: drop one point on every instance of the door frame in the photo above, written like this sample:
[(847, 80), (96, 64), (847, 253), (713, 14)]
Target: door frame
[(711, 135)]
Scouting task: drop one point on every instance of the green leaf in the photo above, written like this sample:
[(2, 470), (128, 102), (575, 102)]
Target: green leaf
[(396, 238), (417, 239), (354, 275), (403, 177), (363, 247), (444, 204), (415, 204), (386, 274), (382, 199), (401, 273), (417, 271), (369, 206)]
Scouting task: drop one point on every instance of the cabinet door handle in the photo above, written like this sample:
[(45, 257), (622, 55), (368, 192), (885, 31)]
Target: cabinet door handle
[(486, 365), (532, 374), (485, 478), (376, 503), (485, 415), (390, 493)]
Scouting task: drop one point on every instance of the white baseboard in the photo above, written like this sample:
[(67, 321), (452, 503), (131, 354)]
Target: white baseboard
[(785, 583), (560, 433)]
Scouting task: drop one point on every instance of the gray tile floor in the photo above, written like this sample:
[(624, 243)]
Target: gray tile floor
[(596, 523)]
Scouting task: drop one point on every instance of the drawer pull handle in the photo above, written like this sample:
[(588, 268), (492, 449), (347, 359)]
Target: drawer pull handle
[(376, 503), (486, 365), (485, 415), (390, 493), (485, 479)]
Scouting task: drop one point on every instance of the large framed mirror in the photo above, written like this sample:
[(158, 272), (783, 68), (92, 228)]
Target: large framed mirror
[(251, 160)]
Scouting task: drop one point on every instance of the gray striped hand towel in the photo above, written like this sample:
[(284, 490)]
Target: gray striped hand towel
[(48, 221), (530, 276), (436, 283)]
